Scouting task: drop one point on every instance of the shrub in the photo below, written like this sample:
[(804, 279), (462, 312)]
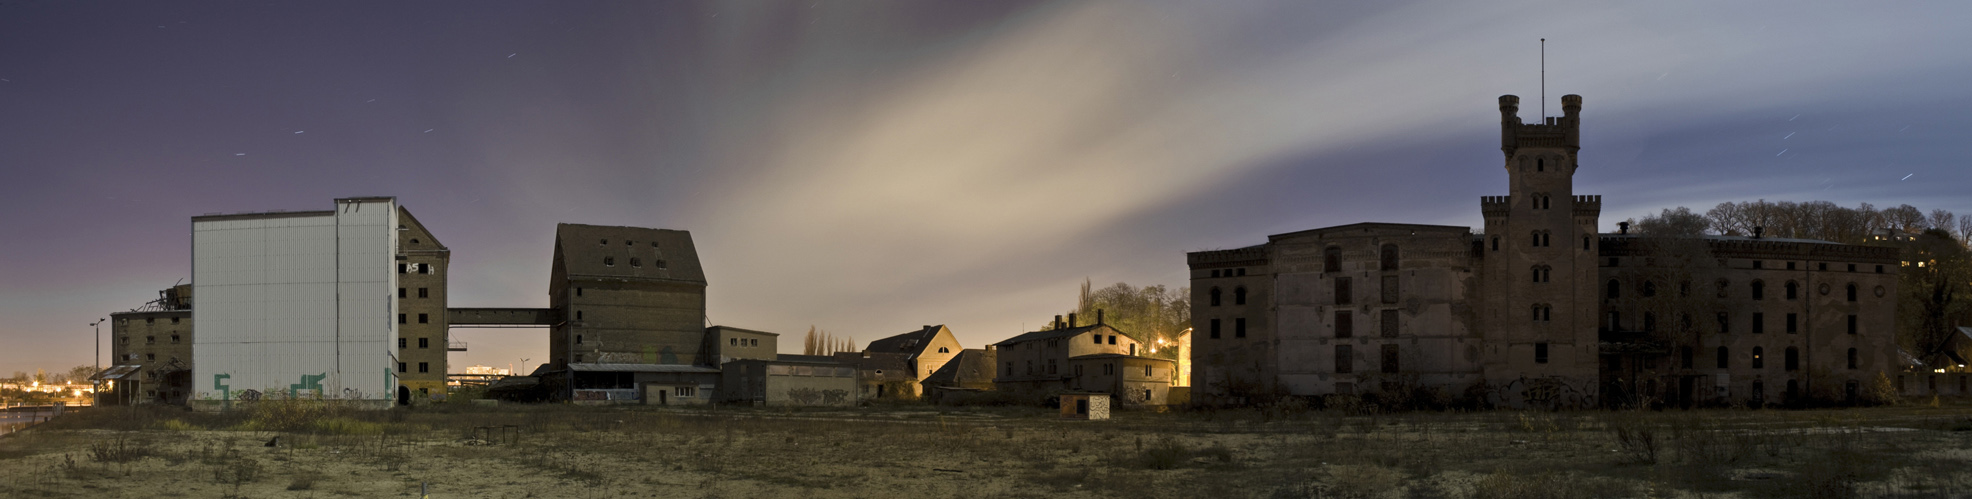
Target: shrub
[(1635, 438), (1163, 455)]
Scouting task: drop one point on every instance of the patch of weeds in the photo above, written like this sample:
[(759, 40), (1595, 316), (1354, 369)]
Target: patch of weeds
[(1163, 454), (1364, 481), (304, 480)]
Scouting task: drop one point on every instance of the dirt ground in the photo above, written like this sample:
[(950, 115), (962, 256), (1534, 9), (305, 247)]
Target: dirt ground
[(924, 451)]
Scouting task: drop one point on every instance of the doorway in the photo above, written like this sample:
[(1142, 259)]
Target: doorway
[(403, 395)]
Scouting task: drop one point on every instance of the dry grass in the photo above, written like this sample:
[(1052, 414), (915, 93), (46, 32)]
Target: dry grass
[(567, 451)]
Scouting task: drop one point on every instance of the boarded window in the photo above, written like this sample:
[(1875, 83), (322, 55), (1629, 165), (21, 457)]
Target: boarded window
[(1345, 324), (1342, 291), (1389, 323), (1390, 289), (1343, 364), (1390, 359), (1332, 259), (1389, 257)]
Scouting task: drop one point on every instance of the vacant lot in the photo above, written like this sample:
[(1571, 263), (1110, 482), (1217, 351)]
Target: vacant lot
[(310, 450)]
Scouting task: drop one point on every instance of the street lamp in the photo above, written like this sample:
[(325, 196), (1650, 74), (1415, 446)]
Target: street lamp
[(96, 395)]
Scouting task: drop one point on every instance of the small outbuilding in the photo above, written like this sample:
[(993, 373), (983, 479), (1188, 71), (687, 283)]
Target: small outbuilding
[(1093, 406)]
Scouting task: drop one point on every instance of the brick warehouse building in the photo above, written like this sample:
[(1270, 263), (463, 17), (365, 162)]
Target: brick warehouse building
[(1540, 310)]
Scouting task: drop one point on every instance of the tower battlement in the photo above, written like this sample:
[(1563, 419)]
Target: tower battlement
[(1553, 131), (1495, 205), (1588, 205)]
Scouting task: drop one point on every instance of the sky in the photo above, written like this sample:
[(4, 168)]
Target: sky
[(868, 167)]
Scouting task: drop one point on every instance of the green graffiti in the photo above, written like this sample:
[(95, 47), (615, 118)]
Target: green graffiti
[(309, 382), (650, 354), (225, 392)]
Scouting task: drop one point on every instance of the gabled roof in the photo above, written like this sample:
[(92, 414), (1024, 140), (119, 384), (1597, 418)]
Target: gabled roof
[(1059, 333), (912, 343), (969, 362), (596, 251)]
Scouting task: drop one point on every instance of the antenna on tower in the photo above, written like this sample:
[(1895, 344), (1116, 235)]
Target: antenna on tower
[(1543, 79)]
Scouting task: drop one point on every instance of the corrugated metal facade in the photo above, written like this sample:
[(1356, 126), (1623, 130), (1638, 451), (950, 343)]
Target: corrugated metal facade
[(296, 304)]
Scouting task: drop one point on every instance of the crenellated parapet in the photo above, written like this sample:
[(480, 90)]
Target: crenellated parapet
[(1553, 131), (1251, 255), (1495, 206), (1588, 205)]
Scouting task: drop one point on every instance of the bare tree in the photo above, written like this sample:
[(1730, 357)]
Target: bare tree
[(1679, 222), (819, 342), (1904, 218)]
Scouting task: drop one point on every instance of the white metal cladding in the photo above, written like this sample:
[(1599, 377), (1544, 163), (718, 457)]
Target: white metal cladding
[(296, 301)]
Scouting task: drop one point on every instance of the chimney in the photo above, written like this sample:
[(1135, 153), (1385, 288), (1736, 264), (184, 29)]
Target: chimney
[(1623, 227), (1071, 319), (1057, 321), (1098, 316), (1757, 231)]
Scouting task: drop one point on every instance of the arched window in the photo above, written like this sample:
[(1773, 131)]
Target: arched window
[(1793, 289), (1540, 165), (1585, 243), (1496, 243), (1852, 291), (1546, 239), (1538, 317), (1389, 257), (1537, 273), (1239, 295), (944, 350), (1759, 290), (1537, 238), (1793, 360), (1852, 358), (1215, 297), (1332, 259), (1725, 358), (1615, 289), (1759, 358), (1649, 288)]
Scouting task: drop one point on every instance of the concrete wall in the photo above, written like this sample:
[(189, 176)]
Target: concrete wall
[(159, 342), (296, 303)]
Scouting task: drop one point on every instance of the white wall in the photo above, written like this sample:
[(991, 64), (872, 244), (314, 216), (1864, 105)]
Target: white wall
[(281, 297)]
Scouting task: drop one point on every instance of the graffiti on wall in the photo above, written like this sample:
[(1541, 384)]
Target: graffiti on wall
[(811, 396)]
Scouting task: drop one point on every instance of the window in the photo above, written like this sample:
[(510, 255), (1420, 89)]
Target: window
[(1791, 323), (1793, 360), (1390, 359), (1725, 358), (150, 320), (150, 340), (1793, 289), (1345, 324), (1009, 368), (609, 261), (1725, 323), (1540, 165), (1723, 285), (401, 268), (1215, 332), (1146, 371), (1615, 321), (578, 339), (1112, 338), (1756, 264), (944, 350), (1215, 296), (1389, 323), (1852, 291), (424, 318), (1496, 243), (1543, 313), (1852, 267), (402, 343), (174, 320), (1823, 266), (634, 262), (1391, 288), (1684, 357), (1614, 261), (1879, 270), (1543, 273), (150, 356), (1759, 290), (424, 268), (1389, 254), (1239, 295), (605, 241), (1098, 337), (1684, 323), (1759, 358), (424, 367), (401, 368), (1342, 291), (578, 291), (174, 338), (1649, 322), (1343, 364), (414, 241), (578, 315), (1852, 358), (1540, 353), (424, 342), (732, 342), (1790, 265), (1759, 322), (1239, 330), (1615, 289), (660, 264), (401, 319), (1215, 273), (424, 292), (578, 357), (1649, 289), (401, 293), (1585, 243), (1852, 324), (1332, 259)]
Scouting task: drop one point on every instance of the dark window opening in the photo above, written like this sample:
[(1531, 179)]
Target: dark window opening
[(1345, 324), (1852, 323), (1852, 291), (1852, 358), (1793, 358), (1759, 358), (424, 342), (609, 261), (1239, 295), (1215, 296), (1684, 357), (1332, 259), (1759, 322), (1342, 291), (1389, 257), (1389, 323), (402, 319), (1759, 290), (1343, 360), (1792, 320), (1390, 359), (1215, 332), (424, 292), (1540, 353), (1725, 358), (424, 367), (1793, 290), (1239, 329), (578, 339), (424, 318), (1615, 289), (401, 293)]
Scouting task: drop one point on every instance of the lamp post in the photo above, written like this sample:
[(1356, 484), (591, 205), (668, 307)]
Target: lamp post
[(96, 393)]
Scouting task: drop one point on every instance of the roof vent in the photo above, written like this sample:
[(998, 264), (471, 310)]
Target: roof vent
[(1758, 231)]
